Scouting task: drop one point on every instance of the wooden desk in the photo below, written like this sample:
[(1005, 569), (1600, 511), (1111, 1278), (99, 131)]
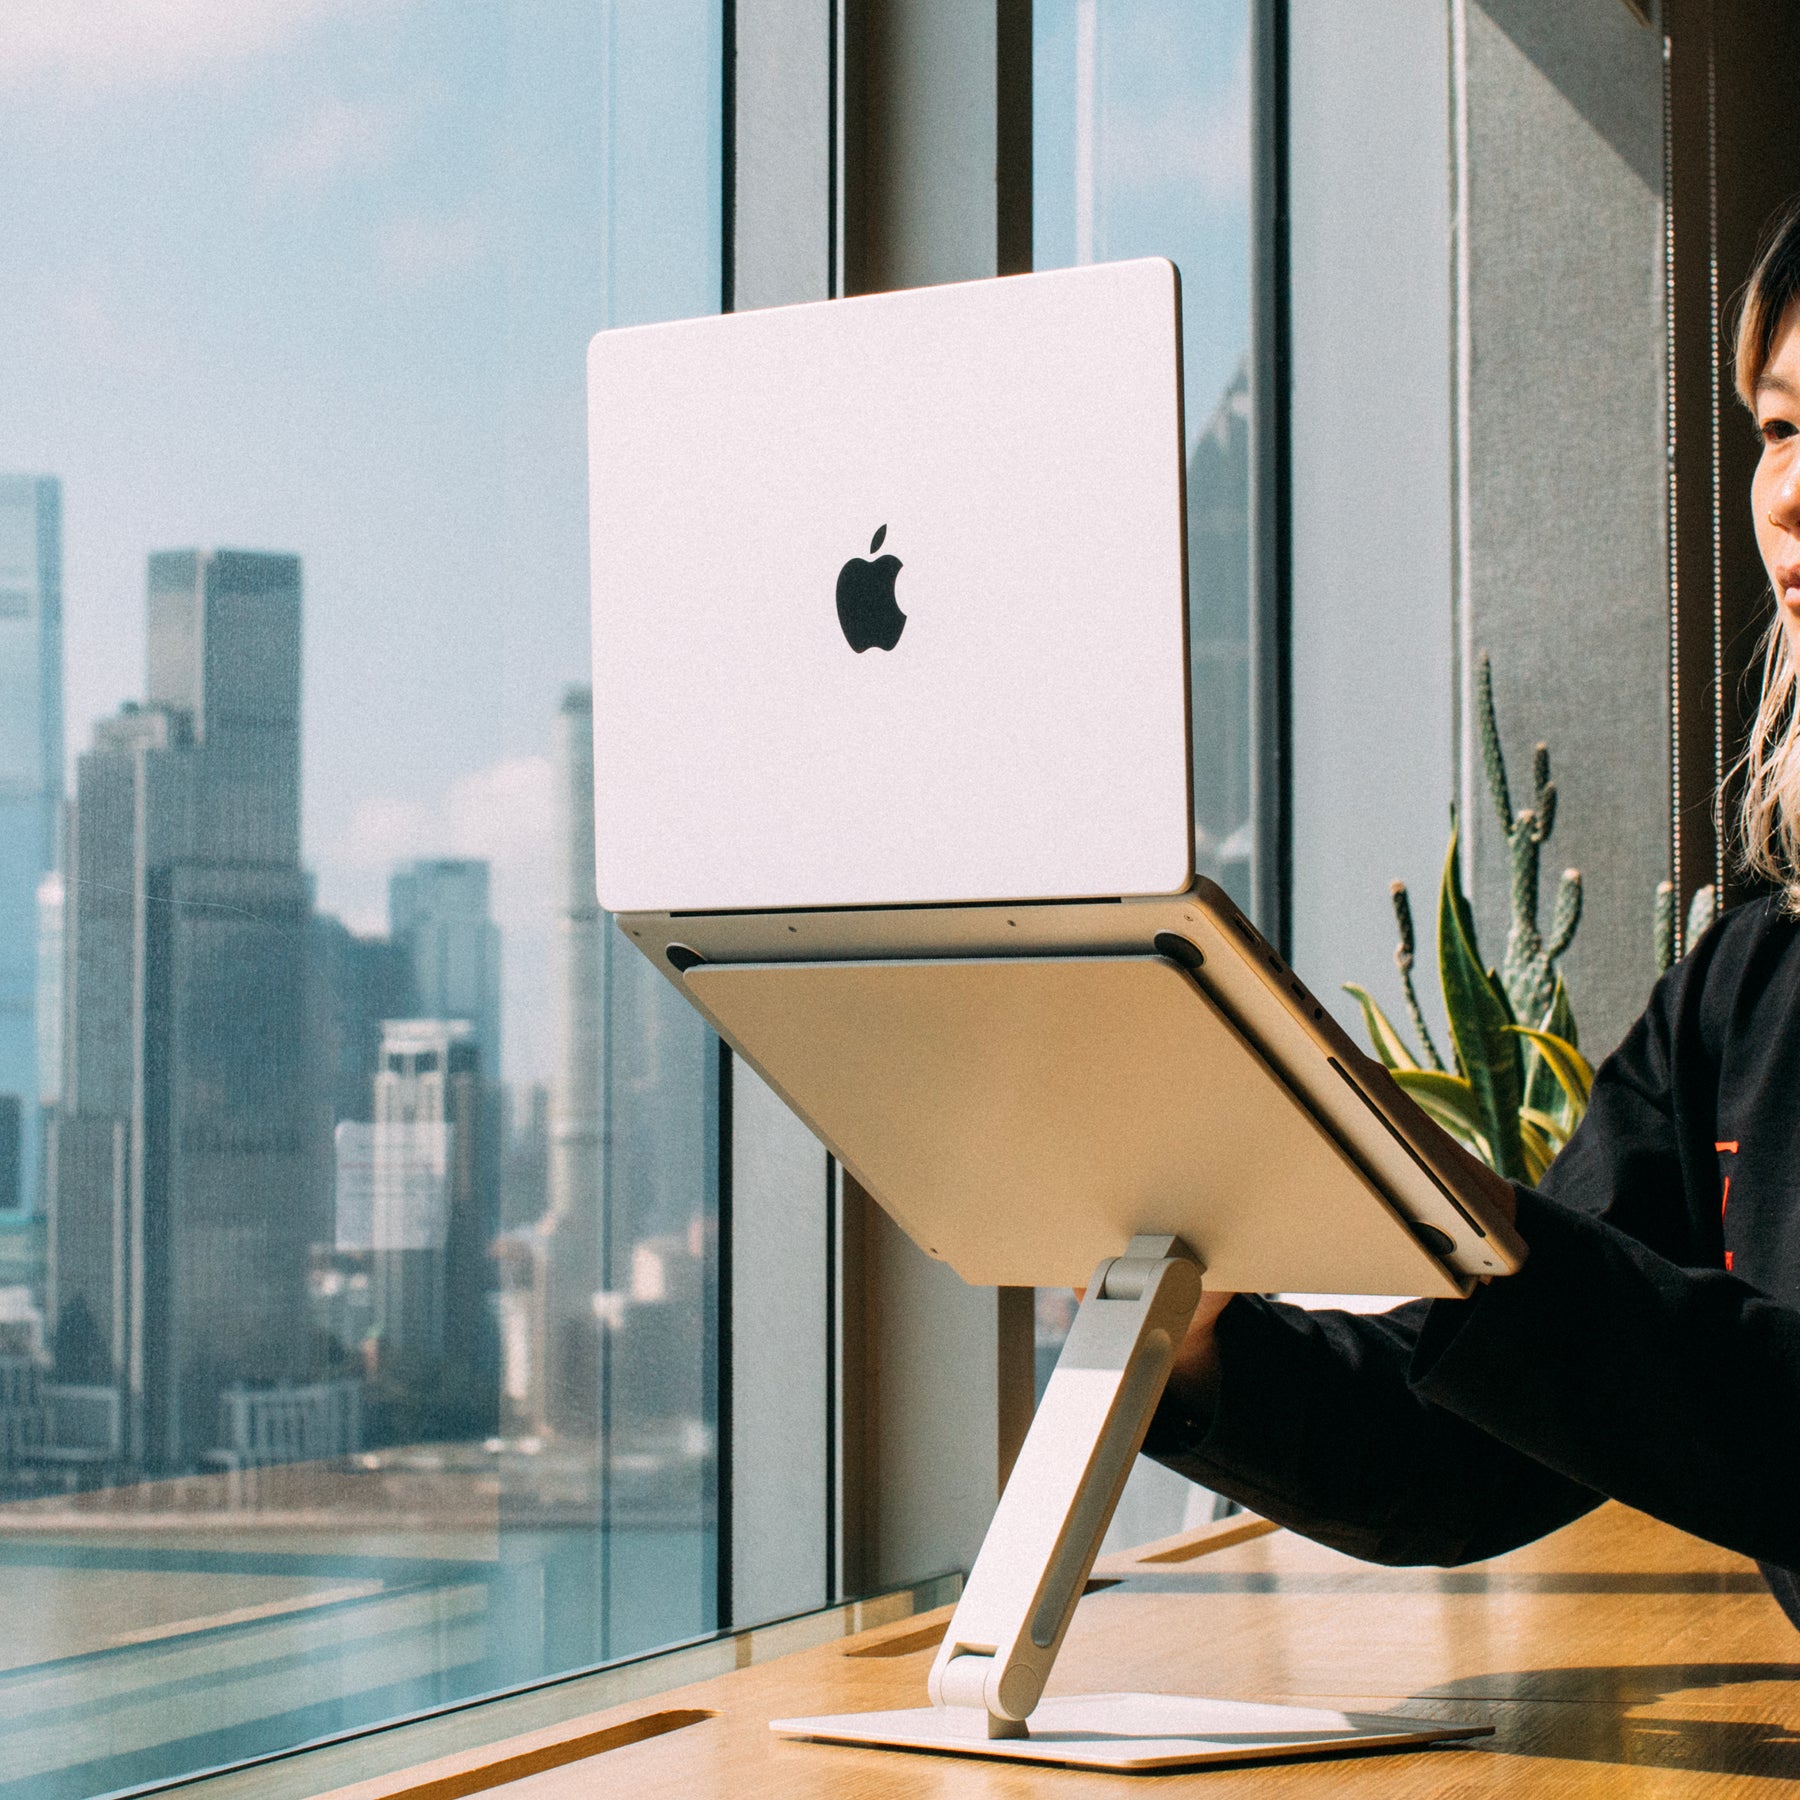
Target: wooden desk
[(1618, 1657)]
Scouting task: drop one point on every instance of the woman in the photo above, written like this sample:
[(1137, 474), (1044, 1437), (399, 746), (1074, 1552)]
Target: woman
[(1649, 1350)]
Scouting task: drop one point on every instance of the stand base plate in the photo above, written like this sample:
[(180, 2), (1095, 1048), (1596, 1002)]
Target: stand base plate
[(1133, 1731)]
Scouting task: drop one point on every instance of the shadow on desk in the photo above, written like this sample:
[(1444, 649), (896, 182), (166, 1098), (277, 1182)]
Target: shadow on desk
[(1591, 1726), (1381, 1578)]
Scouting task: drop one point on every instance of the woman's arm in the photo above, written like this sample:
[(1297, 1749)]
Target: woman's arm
[(1350, 1429), (1673, 1389), (1308, 1419)]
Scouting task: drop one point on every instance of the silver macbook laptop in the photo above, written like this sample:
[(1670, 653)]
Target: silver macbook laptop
[(892, 777), (888, 599)]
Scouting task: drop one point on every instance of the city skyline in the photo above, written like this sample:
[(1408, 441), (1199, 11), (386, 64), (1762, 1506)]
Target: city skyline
[(31, 790), (220, 1038), (290, 1211)]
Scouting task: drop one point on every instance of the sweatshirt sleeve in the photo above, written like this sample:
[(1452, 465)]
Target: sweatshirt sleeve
[(1670, 1388), (1316, 1427)]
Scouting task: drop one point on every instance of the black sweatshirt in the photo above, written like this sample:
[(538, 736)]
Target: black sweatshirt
[(1649, 1349)]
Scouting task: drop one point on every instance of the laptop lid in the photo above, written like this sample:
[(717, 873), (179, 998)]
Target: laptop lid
[(889, 599)]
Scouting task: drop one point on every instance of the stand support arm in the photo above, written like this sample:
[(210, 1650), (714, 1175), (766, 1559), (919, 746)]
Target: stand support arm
[(1046, 1531)]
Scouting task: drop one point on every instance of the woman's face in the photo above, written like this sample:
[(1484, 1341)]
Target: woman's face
[(1775, 492)]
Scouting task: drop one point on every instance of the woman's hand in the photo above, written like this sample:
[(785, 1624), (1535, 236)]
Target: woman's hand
[(1195, 1374)]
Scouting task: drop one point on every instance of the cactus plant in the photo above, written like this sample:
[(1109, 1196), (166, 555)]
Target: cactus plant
[(1702, 910), (1518, 1090), (1533, 982)]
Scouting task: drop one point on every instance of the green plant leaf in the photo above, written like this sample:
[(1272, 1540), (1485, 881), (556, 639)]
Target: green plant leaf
[(1451, 1103), (1539, 1151), (1488, 1053), (1559, 1021), (1553, 1128), (1390, 1046), (1542, 1090), (1573, 1074)]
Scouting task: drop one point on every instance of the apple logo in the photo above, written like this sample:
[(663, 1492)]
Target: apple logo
[(867, 609)]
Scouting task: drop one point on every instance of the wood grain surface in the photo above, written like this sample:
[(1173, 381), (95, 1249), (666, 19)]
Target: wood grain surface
[(1617, 1657)]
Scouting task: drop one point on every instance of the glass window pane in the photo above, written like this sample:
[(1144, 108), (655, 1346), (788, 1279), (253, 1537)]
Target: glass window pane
[(1141, 147), (358, 1203)]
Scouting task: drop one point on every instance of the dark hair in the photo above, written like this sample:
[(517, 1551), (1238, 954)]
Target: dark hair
[(1773, 287)]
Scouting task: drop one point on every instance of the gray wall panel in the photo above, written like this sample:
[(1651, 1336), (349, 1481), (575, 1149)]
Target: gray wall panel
[(780, 1355), (1566, 557), (1372, 728), (781, 221), (922, 158)]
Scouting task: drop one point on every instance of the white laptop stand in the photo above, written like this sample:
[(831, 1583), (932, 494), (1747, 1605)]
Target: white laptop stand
[(987, 1684)]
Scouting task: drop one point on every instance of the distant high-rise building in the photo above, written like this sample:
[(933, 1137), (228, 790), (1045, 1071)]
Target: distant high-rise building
[(524, 1154), (438, 913), (182, 1139), (567, 1358), (357, 983), (50, 899), (430, 1223), (31, 786)]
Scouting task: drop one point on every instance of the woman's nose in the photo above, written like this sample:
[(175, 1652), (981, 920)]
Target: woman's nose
[(1784, 500)]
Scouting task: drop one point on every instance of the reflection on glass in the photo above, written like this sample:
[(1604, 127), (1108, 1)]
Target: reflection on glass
[(357, 1202), (1141, 147)]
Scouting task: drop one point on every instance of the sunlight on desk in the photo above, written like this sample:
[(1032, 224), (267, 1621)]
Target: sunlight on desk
[(1616, 1657)]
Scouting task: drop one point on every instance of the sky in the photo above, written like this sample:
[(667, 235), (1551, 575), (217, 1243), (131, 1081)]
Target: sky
[(1171, 161), (318, 276)]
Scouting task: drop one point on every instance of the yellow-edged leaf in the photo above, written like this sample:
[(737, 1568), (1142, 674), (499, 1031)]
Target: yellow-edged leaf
[(1573, 1073), (1552, 1127), (1539, 1153), (1479, 1020), (1450, 1101), (1390, 1046)]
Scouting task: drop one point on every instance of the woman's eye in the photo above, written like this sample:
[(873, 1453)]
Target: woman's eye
[(1775, 430)]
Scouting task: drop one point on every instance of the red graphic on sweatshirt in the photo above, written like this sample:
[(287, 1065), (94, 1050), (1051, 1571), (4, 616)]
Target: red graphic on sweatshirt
[(1726, 1149)]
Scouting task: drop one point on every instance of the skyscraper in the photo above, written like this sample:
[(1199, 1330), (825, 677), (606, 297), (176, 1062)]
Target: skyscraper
[(438, 913), (182, 1149), (430, 1226), (31, 785), (357, 983), (354, 984), (567, 1242), (425, 1108)]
